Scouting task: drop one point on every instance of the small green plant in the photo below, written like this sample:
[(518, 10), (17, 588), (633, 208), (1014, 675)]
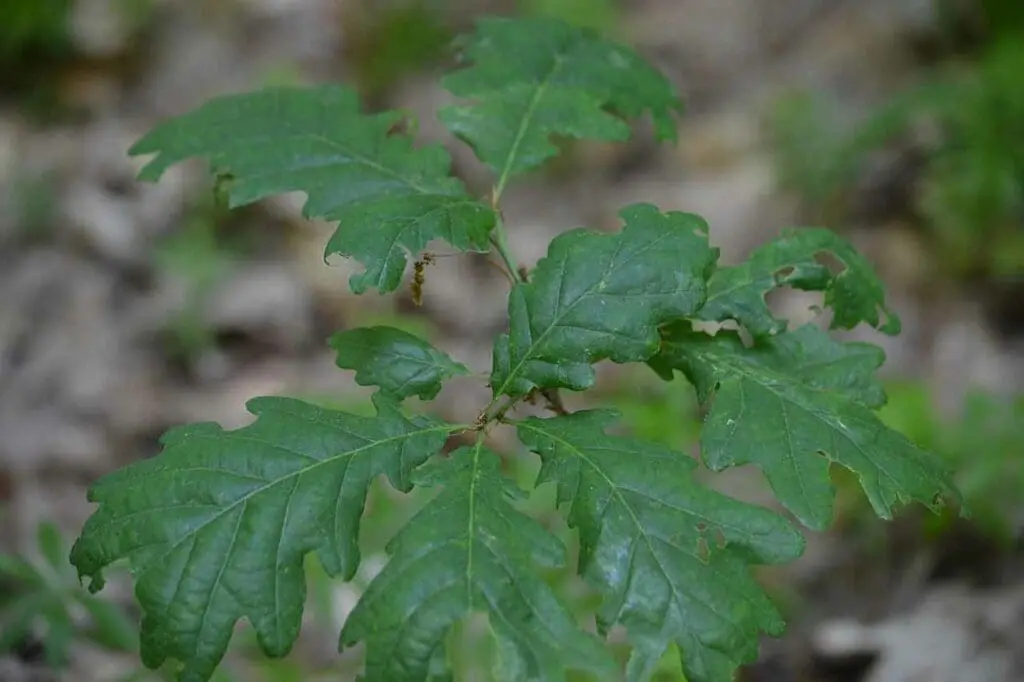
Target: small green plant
[(40, 598), (217, 527)]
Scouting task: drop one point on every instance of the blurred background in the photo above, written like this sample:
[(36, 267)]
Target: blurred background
[(128, 308)]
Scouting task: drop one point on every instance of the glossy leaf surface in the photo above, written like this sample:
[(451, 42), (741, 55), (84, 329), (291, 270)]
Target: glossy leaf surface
[(216, 526), (670, 557), (602, 296), (469, 550)]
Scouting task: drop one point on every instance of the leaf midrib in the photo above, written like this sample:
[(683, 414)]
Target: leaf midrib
[(294, 474), (742, 370), (524, 123), (513, 373), (632, 514)]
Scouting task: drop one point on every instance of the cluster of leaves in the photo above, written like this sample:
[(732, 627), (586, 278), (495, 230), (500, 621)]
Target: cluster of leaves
[(971, 192), (217, 526)]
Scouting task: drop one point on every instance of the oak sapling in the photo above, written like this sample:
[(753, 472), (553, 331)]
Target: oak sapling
[(217, 526)]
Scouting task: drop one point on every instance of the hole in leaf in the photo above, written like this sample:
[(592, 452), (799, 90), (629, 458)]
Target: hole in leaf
[(784, 273), (830, 261), (796, 305)]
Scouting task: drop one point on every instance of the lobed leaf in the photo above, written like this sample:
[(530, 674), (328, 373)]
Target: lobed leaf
[(217, 525), (601, 296), (791, 404), (386, 196), (537, 77), (671, 558), (400, 363), (469, 550), (855, 294)]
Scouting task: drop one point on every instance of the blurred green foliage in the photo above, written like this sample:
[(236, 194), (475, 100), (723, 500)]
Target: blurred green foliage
[(34, 39), (984, 447), (970, 192), (33, 27), (1001, 18), (387, 41), (37, 47), (41, 600), (602, 15), (197, 254)]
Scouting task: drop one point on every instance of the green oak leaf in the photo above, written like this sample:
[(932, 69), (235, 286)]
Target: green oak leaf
[(400, 363), (470, 550), (537, 77), (217, 525), (671, 558), (855, 294), (602, 296), (386, 196), (793, 403)]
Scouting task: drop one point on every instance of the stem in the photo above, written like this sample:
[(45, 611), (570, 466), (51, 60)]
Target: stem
[(554, 401), (500, 242), (502, 411), (500, 267)]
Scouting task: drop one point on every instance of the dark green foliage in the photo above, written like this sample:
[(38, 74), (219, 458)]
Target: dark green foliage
[(597, 296), (216, 527), (388, 39), (386, 196), (670, 556), (793, 403), (854, 294), (470, 549), (532, 78), (990, 477)]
